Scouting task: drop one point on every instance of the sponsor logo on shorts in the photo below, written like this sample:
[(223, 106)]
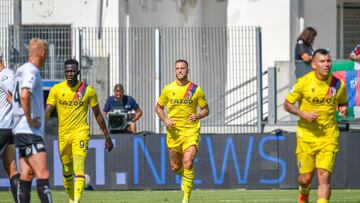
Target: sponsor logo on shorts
[(40, 146), (28, 151)]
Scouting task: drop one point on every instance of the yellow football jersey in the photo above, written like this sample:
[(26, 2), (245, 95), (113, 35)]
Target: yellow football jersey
[(322, 97), (72, 104), (181, 102)]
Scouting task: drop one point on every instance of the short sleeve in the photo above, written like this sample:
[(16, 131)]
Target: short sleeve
[(29, 79), (7, 83), (342, 94), (295, 93), (52, 96), (163, 99), (107, 105), (202, 100), (134, 105), (93, 99)]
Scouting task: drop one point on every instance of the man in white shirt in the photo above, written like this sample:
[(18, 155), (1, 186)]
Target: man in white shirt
[(29, 117), (7, 148)]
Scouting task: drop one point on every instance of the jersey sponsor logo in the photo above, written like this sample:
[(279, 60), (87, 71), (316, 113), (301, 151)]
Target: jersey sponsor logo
[(71, 103), (322, 100), (181, 101)]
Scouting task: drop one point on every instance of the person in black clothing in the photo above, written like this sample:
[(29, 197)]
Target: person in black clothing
[(304, 51), (125, 103)]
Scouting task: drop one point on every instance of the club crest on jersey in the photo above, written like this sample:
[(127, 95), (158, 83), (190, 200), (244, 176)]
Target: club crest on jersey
[(79, 95), (80, 92), (332, 91), (189, 94)]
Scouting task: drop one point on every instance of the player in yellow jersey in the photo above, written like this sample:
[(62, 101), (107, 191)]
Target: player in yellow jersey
[(319, 95), (182, 98), (72, 99)]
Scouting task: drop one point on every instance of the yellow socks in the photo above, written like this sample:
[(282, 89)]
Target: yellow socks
[(68, 180), (79, 187), (69, 186), (79, 165), (187, 183), (180, 172), (322, 200)]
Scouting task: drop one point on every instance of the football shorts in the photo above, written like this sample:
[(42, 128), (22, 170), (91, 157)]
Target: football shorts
[(74, 144), (311, 155), (180, 140)]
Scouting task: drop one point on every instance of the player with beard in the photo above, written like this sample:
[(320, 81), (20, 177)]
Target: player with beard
[(182, 97)]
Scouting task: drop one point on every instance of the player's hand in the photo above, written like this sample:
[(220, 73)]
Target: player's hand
[(343, 110), (35, 122), (169, 123), (193, 117), (108, 144), (311, 116)]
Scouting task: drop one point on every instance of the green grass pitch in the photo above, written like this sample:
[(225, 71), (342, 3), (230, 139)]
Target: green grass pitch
[(198, 196)]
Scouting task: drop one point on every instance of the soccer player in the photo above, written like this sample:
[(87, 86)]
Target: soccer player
[(7, 148), (319, 95), (72, 99), (28, 129), (182, 97)]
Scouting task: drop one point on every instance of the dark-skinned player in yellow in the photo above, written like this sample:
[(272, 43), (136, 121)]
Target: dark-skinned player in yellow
[(72, 99)]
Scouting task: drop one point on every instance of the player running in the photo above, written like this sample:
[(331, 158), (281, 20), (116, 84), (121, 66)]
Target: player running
[(319, 95), (182, 98)]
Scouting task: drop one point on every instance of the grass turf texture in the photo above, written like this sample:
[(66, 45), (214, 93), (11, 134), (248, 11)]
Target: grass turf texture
[(198, 196)]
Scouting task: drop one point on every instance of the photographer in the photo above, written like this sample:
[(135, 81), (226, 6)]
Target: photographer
[(124, 103)]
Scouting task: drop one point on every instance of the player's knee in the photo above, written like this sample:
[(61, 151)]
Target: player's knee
[(175, 167), (188, 163), (43, 174), (324, 177), (305, 179), (26, 175)]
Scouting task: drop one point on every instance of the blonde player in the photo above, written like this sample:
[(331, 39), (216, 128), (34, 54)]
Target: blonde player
[(28, 118), (72, 99), (319, 95), (182, 98)]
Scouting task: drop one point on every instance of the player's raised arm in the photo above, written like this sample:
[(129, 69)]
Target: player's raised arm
[(100, 120)]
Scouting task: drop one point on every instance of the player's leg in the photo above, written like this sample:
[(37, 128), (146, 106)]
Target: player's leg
[(24, 186), (325, 160), (324, 190), (175, 159), (65, 152), (9, 160), (79, 150), (188, 177), (306, 167), (38, 163)]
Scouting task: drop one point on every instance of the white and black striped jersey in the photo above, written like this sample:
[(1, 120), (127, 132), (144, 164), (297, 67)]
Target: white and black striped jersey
[(6, 85), (28, 76)]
